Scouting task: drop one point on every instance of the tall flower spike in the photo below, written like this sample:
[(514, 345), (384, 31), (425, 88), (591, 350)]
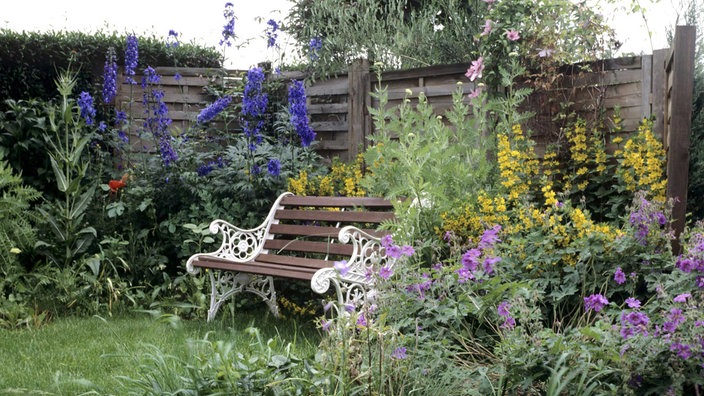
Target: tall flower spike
[(85, 103), (254, 104), (109, 77), (131, 58), (228, 31), (271, 34), (213, 110), (314, 47), (299, 112)]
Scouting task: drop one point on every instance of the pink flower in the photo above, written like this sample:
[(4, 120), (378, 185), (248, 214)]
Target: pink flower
[(545, 52), (487, 27), (474, 94), (475, 71), (512, 35), (490, 2)]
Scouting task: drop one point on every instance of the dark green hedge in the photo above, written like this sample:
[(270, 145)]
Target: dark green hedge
[(29, 61)]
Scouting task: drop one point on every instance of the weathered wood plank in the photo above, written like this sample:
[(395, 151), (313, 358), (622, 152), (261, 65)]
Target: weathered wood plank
[(681, 116), (658, 91)]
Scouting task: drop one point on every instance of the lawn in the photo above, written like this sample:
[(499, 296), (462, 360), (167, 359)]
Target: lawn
[(74, 355)]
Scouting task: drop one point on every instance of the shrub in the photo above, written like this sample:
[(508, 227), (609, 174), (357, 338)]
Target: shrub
[(31, 60)]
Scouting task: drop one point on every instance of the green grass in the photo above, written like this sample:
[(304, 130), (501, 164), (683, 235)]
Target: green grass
[(74, 355)]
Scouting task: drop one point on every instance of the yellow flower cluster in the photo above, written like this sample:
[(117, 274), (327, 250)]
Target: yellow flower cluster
[(470, 221), (549, 194), (517, 163), (343, 179), (295, 309), (642, 163), (587, 151), (578, 143)]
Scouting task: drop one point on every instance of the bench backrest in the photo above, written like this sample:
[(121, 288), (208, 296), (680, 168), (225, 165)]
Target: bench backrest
[(308, 226)]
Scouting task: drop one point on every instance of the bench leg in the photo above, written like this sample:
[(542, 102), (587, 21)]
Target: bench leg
[(224, 285)]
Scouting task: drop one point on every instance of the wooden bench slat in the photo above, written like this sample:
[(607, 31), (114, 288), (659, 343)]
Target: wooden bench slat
[(304, 230), (315, 231), (295, 261), (278, 245), (257, 268), (349, 202), (334, 216)]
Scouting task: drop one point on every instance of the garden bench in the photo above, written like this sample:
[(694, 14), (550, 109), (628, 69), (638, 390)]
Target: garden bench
[(301, 238)]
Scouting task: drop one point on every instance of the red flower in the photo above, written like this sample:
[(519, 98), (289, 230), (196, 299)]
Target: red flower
[(117, 184)]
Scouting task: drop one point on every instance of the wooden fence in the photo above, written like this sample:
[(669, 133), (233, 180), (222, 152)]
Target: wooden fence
[(184, 96), (658, 85)]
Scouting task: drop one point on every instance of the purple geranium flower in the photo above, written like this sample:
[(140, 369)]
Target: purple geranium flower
[(399, 353), (341, 267), (619, 276), (596, 302), (385, 272)]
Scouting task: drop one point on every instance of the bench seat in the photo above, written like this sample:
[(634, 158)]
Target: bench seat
[(301, 238)]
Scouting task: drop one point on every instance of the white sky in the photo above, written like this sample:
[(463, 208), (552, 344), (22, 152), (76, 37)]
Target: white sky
[(202, 21)]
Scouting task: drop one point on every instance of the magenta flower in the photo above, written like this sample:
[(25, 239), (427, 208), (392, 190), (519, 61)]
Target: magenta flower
[(509, 323), (474, 94), (502, 309), (399, 353), (407, 250), (475, 71), (632, 302), (489, 238), (325, 325), (684, 351), (394, 251), (341, 267), (512, 35), (386, 241), (470, 259), (619, 276), (596, 302), (682, 298), (385, 272), (487, 27)]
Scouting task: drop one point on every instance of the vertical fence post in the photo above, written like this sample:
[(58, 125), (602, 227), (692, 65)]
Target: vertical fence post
[(358, 99), (658, 90), (680, 77)]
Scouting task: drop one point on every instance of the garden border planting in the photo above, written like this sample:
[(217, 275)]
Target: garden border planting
[(326, 240)]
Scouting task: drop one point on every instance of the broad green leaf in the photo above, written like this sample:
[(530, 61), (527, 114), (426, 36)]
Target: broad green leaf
[(94, 264), (82, 203), (61, 180), (53, 223)]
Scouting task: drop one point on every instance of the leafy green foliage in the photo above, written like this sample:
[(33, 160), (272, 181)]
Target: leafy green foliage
[(17, 238), (397, 33), (433, 161), (70, 235), (30, 61)]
